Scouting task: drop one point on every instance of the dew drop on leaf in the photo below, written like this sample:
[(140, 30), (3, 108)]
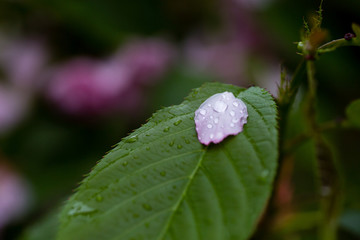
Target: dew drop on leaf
[(177, 122), (166, 129), (125, 163), (163, 173), (99, 198), (131, 140), (263, 176), (80, 208), (147, 207)]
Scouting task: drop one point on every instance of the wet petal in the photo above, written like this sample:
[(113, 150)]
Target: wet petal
[(219, 116)]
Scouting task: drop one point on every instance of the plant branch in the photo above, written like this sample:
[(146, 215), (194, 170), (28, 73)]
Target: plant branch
[(326, 169)]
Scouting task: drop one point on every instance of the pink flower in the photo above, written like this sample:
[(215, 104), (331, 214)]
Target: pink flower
[(86, 86), (23, 61), (13, 106), (147, 60), (223, 57), (219, 116), (14, 196)]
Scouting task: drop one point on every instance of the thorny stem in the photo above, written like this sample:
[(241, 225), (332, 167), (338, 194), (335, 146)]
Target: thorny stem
[(284, 105), (310, 70), (327, 172)]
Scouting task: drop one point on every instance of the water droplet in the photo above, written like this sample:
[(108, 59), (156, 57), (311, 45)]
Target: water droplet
[(235, 104), (125, 163), (174, 187), (135, 215), (209, 126), (209, 105), (211, 136), (179, 146), (192, 118), (147, 225), (202, 111), (187, 141), (220, 106), (166, 129), (131, 139), (216, 120), (80, 208), (171, 143), (235, 120), (147, 207), (263, 176), (232, 113), (163, 173), (99, 198), (177, 122), (147, 148), (232, 125)]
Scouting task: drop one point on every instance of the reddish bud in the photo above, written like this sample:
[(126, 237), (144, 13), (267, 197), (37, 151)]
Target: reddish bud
[(349, 36)]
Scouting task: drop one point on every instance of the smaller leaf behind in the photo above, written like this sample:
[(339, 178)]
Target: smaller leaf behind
[(353, 113)]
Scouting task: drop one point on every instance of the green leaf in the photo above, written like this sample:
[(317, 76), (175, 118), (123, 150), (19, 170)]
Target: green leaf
[(356, 29), (44, 229), (161, 183), (353, 113)]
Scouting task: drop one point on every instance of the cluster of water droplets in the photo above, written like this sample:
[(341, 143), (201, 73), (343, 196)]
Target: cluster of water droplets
[(219, 116)]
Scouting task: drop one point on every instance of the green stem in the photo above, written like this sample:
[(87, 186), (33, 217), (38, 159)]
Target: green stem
[(327, 172), (333, 45), (293, 143), (284, 105), (311, 112)]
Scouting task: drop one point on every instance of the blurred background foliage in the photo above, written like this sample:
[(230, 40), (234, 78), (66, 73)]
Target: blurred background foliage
[(78, 75)]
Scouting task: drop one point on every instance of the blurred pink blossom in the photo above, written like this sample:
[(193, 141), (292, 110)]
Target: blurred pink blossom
[(222, 56), (232, 54), (13, 107), (22, 61), (14, 196), (147, 59), (85, 86)]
